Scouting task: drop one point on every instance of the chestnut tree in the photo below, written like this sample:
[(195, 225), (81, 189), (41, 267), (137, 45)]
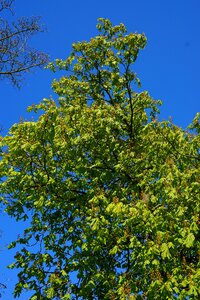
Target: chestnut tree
[(109, 192)]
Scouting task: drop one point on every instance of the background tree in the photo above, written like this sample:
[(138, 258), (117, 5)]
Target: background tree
[(16, 56), (111, 193)]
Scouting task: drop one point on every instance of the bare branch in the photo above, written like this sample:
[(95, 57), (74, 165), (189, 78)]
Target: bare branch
[(16, 56)]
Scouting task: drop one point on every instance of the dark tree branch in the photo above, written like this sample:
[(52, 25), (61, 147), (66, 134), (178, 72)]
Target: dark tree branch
[(16, 57)]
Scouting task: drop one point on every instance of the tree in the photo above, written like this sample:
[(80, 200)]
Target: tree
[(110, 192), (16, 56)]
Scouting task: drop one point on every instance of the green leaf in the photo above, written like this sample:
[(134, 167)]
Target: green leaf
[(165, 251), (50, 293), (189, 241)]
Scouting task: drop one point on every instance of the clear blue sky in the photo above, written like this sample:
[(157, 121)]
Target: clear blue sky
[(169, 67)]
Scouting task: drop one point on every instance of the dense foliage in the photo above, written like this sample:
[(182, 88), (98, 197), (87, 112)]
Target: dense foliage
[(111, 194)]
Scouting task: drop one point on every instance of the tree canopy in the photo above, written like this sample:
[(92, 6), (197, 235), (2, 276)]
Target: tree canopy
[(111, 194), (16, 55)]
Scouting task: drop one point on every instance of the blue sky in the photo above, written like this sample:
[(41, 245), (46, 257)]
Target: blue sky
[(168, 67)]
